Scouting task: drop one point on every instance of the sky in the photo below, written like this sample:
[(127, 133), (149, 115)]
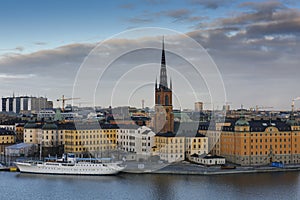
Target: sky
[(254, 46)]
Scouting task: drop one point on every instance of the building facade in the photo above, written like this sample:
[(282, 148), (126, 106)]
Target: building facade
[(32, 132), (174, 148), (257, 142), (7, 138), (138, 142), (83, 139), (25, 104), (90, 139), (19, 132), (198, 106)]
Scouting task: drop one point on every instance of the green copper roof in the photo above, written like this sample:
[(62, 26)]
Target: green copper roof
[(242, 122)]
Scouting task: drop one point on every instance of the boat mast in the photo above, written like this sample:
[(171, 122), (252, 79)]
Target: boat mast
[(40, 146)]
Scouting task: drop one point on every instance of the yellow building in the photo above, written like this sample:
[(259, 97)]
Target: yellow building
[(79, 138), (7, 138), (173, 148), (196, 145), (169, 147), (260, 142), (86, 139)]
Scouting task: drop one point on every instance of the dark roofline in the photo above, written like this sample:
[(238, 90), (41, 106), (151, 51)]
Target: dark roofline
[(3, 131)]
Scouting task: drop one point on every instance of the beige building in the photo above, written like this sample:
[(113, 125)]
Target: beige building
[(173, 148), (32, 132)]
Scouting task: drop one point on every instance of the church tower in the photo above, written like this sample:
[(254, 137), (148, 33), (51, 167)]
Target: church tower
[(164, 117)]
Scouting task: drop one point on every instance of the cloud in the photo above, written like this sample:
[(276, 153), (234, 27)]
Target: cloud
[(267, 6), (178, 14), (140, 20), (15, 76), (52, 70), (256, 50), (40, 43), (211, 4), (260, 12), (18, 48), (128, 6), (183, 15)]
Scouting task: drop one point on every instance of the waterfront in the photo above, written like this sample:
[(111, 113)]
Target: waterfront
[(278, 185)]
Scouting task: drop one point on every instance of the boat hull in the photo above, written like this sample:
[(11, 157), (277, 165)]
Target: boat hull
[(69, 169)]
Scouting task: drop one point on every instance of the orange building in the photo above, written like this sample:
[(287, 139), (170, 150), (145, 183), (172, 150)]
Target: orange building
[(260, 142)]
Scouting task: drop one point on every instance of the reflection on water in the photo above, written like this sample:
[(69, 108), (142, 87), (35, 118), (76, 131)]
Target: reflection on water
[(146, 187)]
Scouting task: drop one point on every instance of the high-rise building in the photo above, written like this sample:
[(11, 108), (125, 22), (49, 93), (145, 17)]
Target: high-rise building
[(198, 106), (25, 103), (164, 117)]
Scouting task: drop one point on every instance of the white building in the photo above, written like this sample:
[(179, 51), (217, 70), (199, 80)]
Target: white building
[(208, 160), (46, 114), (137, 142)]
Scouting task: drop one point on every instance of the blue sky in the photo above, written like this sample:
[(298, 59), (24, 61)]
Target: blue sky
[(33, 25), (254, 43)]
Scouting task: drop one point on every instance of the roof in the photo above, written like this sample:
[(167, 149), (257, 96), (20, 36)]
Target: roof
[(6, 132), (168, 134), (32, 125), (255, 125), (49, 126), (211, 157), (190, 134), (261, 125), (242, 122), (20, 146), (186, 134), (207, 156)]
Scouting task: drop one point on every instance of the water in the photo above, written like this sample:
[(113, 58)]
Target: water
[(157, 187)]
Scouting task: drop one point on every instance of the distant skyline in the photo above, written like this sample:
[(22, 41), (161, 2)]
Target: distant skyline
[(255, 44)]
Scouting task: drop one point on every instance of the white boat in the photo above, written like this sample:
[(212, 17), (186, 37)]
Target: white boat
[(71, 166)]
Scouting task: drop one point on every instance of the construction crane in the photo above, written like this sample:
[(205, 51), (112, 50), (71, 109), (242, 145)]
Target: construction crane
[(63, 99)]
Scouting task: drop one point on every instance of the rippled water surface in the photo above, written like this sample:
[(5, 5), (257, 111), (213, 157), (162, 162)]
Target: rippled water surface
[(129, 186)]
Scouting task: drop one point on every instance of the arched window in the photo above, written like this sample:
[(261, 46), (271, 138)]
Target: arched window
[(166, 100), (158, 99)]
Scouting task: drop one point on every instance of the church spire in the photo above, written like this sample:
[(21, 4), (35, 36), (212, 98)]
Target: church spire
[(163, 69)]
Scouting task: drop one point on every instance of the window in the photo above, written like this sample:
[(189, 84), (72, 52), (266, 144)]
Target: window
[(166, 100)]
